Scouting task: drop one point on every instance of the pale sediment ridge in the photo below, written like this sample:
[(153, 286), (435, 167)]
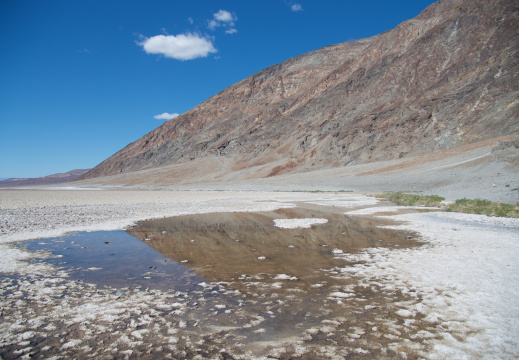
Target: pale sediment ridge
[(464, 281)]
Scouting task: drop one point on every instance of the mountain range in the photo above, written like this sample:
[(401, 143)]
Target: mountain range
[(446, 79), (45, 180)]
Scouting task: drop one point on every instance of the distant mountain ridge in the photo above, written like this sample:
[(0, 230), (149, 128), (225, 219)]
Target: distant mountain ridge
[(46, 180), (446, 78)]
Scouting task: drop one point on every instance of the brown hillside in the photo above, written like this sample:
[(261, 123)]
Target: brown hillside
[(447, 78)]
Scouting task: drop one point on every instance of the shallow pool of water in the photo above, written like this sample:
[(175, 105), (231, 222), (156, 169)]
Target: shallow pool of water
[(289, 280), (241, 276), (114, 258), (230, 246), (242, 248)]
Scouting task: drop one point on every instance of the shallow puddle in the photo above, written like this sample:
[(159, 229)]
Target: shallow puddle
[(245, 284), (114, 258), (289, 280), (241, 247)]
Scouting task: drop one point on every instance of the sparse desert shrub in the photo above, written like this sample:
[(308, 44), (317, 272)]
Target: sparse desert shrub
[(486, 207), (468, 206), (402, 199)]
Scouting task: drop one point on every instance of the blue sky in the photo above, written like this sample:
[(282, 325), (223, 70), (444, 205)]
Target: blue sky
[(83, 79)]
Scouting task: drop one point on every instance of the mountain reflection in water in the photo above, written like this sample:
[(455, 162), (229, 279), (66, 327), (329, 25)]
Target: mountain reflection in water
[(285, 280), (225, 246)]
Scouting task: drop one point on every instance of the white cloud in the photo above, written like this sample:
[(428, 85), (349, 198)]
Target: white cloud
[(213, 24), (181, 47), (296, 7), (166, 116), (223, 18)]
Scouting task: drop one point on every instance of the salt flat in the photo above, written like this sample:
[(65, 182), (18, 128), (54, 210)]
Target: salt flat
[(463, 282)]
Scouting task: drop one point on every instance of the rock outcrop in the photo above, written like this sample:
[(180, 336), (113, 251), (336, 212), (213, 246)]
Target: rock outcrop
[(446, 78)]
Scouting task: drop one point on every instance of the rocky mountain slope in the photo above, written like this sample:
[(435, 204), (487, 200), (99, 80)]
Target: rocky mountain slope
[(447, 78)]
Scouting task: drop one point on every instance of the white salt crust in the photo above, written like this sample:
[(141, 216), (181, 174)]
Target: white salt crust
[(467, 273)]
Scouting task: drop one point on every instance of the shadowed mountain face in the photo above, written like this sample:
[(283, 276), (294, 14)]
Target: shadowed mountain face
[(444, 79)]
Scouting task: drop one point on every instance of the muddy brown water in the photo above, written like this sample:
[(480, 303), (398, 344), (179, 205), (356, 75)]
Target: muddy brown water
[(234, 246), (172, 253), (244, 277)]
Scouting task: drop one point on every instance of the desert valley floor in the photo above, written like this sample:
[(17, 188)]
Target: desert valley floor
[(252, 275)]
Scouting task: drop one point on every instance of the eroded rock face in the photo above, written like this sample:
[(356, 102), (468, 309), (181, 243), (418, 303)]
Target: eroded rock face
[(446, 78)]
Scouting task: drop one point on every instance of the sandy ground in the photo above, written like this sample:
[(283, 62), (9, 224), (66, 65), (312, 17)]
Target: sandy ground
[(483, 170), (464, 281)]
